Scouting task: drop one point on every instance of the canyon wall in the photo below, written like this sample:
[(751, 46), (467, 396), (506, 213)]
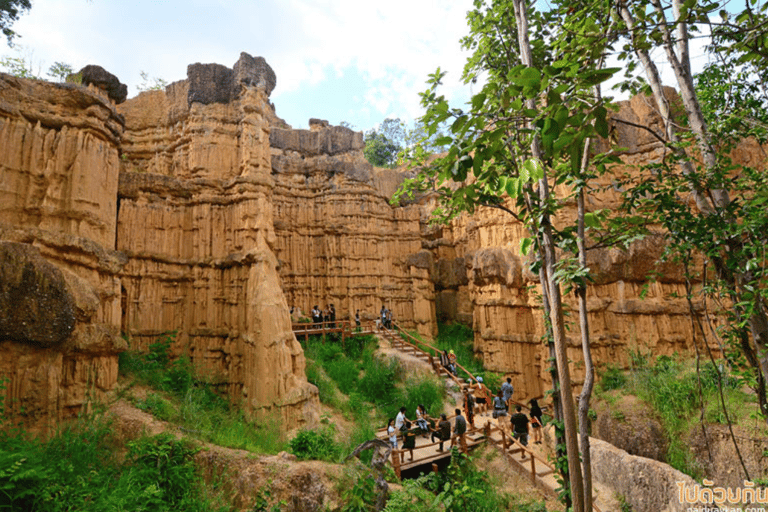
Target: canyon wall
[(339, 240), (636, 301), (59, 285), (195, 221), (195, 210)]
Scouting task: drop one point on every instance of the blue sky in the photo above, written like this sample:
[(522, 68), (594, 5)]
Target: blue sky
[(340, 60)]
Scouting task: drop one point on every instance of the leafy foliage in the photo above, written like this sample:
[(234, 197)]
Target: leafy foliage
[(10, 10), (60, 71), (78, 469), (315, 444), (150, 83)]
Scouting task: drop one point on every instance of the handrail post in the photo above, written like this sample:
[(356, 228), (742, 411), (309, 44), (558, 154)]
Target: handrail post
[(396, 463), (533, 469), (503, 439)]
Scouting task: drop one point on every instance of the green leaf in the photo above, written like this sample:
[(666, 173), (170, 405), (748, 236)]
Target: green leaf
[(525, 245), (478, 100), (601, 125), (591, 220), (532, 169)]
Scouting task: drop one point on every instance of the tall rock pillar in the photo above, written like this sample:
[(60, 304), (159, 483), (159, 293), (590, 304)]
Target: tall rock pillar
[(196, 222)]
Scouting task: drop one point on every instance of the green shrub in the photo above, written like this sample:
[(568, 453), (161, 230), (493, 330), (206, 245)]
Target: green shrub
[(612, 378), (157, 406), (344, 372), (77, 469), (360, 497), (315, 445), (377, 383), (428, 391)]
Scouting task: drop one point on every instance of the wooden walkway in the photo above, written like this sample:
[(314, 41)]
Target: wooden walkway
[(346, 328), (486, 431)]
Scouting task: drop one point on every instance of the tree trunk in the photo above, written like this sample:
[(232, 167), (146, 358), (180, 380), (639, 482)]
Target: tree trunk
[(555, 299), (589, 368)]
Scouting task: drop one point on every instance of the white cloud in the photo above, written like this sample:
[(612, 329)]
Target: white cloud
[(390, 47)]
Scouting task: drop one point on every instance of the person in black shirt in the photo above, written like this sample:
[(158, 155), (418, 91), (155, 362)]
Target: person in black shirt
[(443, 431), (520, 426), (460, 430), (536, 422), (409, 440)]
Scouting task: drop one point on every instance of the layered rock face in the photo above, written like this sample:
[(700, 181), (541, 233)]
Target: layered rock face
[(59, 290), (636, 302), (338, 240), (196, 224)]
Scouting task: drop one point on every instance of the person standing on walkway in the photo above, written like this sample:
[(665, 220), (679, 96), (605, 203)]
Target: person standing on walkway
[(392, 433), (443, 431), (460, 431), (452, 362), (400, 420), (409, 440), (519, 423), (507, 390), (482, 398), (469, 406), (536, 423), (499, 406), (357, 320)]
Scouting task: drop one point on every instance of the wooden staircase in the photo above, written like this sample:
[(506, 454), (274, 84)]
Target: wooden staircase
[(407, 344)]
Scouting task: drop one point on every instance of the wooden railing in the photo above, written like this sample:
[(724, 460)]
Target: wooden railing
[(346, 328), (434, 355)]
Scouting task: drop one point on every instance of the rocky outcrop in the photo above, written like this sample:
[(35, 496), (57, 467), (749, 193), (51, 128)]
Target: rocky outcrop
[(60, 311), (645, 484), (630, 425), (635, 301), (338, 239), (196, 222), (104, 80)]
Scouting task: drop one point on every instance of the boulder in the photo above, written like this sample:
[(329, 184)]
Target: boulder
[(253, 72), (35, 305), (209, 83), (103, 79)]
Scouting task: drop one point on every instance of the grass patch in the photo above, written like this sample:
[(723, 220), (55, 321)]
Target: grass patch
[(367, 388), (180, 397), (673, 389), (82, 468), (461, 339)]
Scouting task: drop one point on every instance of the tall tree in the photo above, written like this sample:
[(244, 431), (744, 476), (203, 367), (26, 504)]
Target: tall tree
[(724, 229), (524, 132), (382, 145)]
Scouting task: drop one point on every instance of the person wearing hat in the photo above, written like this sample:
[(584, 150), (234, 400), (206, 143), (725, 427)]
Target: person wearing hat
[(482, 399), (452, 361)]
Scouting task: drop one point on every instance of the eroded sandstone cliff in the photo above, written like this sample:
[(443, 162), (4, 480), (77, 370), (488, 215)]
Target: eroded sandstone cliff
[(636, 301), (196, 223), (59, 290), (339, 240)]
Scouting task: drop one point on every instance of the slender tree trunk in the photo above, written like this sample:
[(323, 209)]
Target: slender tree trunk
[(589, 367), (555, 299), (712, 200)]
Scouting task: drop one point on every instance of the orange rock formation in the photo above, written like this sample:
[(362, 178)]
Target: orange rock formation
[(197, 210)]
